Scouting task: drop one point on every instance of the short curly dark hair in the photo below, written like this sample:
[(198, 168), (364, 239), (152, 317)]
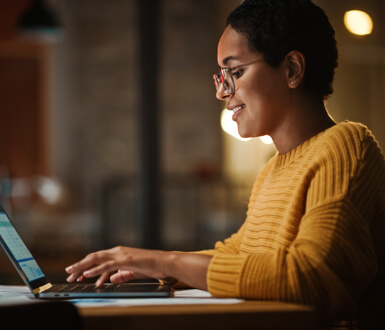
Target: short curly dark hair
[(276, 27)]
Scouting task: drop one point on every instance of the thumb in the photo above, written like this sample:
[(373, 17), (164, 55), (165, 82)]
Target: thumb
[(122, 276)]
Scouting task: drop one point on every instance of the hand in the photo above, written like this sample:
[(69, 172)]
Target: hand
[(120, 264)]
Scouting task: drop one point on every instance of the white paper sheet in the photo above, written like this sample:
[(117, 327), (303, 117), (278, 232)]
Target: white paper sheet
[(14, 295), (14, 288)]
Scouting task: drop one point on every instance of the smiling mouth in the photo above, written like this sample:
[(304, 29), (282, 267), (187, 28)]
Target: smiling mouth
[(238, 108), (236, 112)]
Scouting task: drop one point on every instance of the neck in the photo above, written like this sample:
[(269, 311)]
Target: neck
[(305, 120)]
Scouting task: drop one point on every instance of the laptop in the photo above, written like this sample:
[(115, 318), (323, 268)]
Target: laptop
[(32, 275)]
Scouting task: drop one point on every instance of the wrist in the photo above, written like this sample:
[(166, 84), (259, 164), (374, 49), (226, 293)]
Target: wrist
[(167, 264)]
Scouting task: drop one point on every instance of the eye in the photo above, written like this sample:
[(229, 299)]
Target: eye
[(237, 74)]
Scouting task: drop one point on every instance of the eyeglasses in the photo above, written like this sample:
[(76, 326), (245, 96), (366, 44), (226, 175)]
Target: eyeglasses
[(225, 77)]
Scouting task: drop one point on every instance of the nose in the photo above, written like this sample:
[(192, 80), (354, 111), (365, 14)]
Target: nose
[(221, 93)]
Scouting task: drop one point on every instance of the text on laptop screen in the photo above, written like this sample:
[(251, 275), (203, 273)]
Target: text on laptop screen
[(18, 249)]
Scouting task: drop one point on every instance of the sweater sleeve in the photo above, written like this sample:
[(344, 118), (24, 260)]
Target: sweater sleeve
[(317, 269), (330, 262)]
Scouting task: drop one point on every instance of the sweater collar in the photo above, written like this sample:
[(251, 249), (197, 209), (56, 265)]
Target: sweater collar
[(283, 160)]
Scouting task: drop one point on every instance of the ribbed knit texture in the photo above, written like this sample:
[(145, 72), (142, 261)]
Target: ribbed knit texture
[(314, 232)]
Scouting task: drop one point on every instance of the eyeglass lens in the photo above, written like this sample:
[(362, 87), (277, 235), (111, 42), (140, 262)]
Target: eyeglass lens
[(224, 77)]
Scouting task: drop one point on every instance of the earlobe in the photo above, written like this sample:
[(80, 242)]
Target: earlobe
[(293, 82), (296, 68)]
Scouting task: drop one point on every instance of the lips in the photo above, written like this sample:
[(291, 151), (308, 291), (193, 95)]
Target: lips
[(236, 110)]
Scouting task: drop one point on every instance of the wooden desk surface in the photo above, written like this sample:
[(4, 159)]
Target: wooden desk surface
[(246, 315)]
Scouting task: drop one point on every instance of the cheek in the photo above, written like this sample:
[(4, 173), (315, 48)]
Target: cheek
[(269, 92), (265, 102)]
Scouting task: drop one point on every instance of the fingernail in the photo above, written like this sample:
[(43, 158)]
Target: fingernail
[(69, 269), (98, 283), (86, 273)]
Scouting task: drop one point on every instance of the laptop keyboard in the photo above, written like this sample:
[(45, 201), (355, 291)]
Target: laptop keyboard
[(105, 288), (84, 288)]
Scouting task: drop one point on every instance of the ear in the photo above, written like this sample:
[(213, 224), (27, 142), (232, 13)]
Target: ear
[(295, 68)]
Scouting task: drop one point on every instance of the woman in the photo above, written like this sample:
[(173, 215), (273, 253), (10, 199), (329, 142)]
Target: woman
[(316, 217)]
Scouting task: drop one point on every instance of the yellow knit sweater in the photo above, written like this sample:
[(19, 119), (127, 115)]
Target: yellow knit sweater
[(314, 232)]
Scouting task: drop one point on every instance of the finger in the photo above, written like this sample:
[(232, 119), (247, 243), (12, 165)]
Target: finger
[(122, 276), (80, 278), (109, 266), (88, 262), (75, 277), (103, 279)]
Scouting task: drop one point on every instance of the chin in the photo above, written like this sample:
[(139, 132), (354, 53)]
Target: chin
[(245, 135)]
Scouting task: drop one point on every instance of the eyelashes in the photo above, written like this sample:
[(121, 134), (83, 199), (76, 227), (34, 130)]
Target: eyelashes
[(237, 74)]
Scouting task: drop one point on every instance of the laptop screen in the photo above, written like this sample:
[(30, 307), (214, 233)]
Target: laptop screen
[(17, 250)]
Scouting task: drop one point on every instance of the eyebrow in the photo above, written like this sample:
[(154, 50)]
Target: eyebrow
[(228, 59)]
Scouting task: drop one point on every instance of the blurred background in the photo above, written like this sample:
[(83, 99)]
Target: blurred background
[(110, 132)]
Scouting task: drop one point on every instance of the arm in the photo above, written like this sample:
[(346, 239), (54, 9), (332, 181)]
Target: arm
[(122, 264), (329, 265)]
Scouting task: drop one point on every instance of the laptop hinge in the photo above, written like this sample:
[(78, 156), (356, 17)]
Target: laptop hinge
[(42, 288)]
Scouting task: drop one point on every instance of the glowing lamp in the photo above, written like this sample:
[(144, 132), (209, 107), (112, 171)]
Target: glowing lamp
[(358, 22)]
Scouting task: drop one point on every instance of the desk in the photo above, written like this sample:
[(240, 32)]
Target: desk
[(220, 314), (246, 315)]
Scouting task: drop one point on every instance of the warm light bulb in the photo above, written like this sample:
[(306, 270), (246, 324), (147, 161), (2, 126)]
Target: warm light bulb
[(358, 22)]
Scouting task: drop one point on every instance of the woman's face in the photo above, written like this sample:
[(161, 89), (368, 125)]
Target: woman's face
[(261, 91)]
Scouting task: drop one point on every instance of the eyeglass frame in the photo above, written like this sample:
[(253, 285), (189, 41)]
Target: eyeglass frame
[(219, 76)]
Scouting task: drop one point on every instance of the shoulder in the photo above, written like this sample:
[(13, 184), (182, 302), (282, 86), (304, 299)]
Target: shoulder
[(343, 158), (347, 140), (345, 151), (351, 134), (341, 150)]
